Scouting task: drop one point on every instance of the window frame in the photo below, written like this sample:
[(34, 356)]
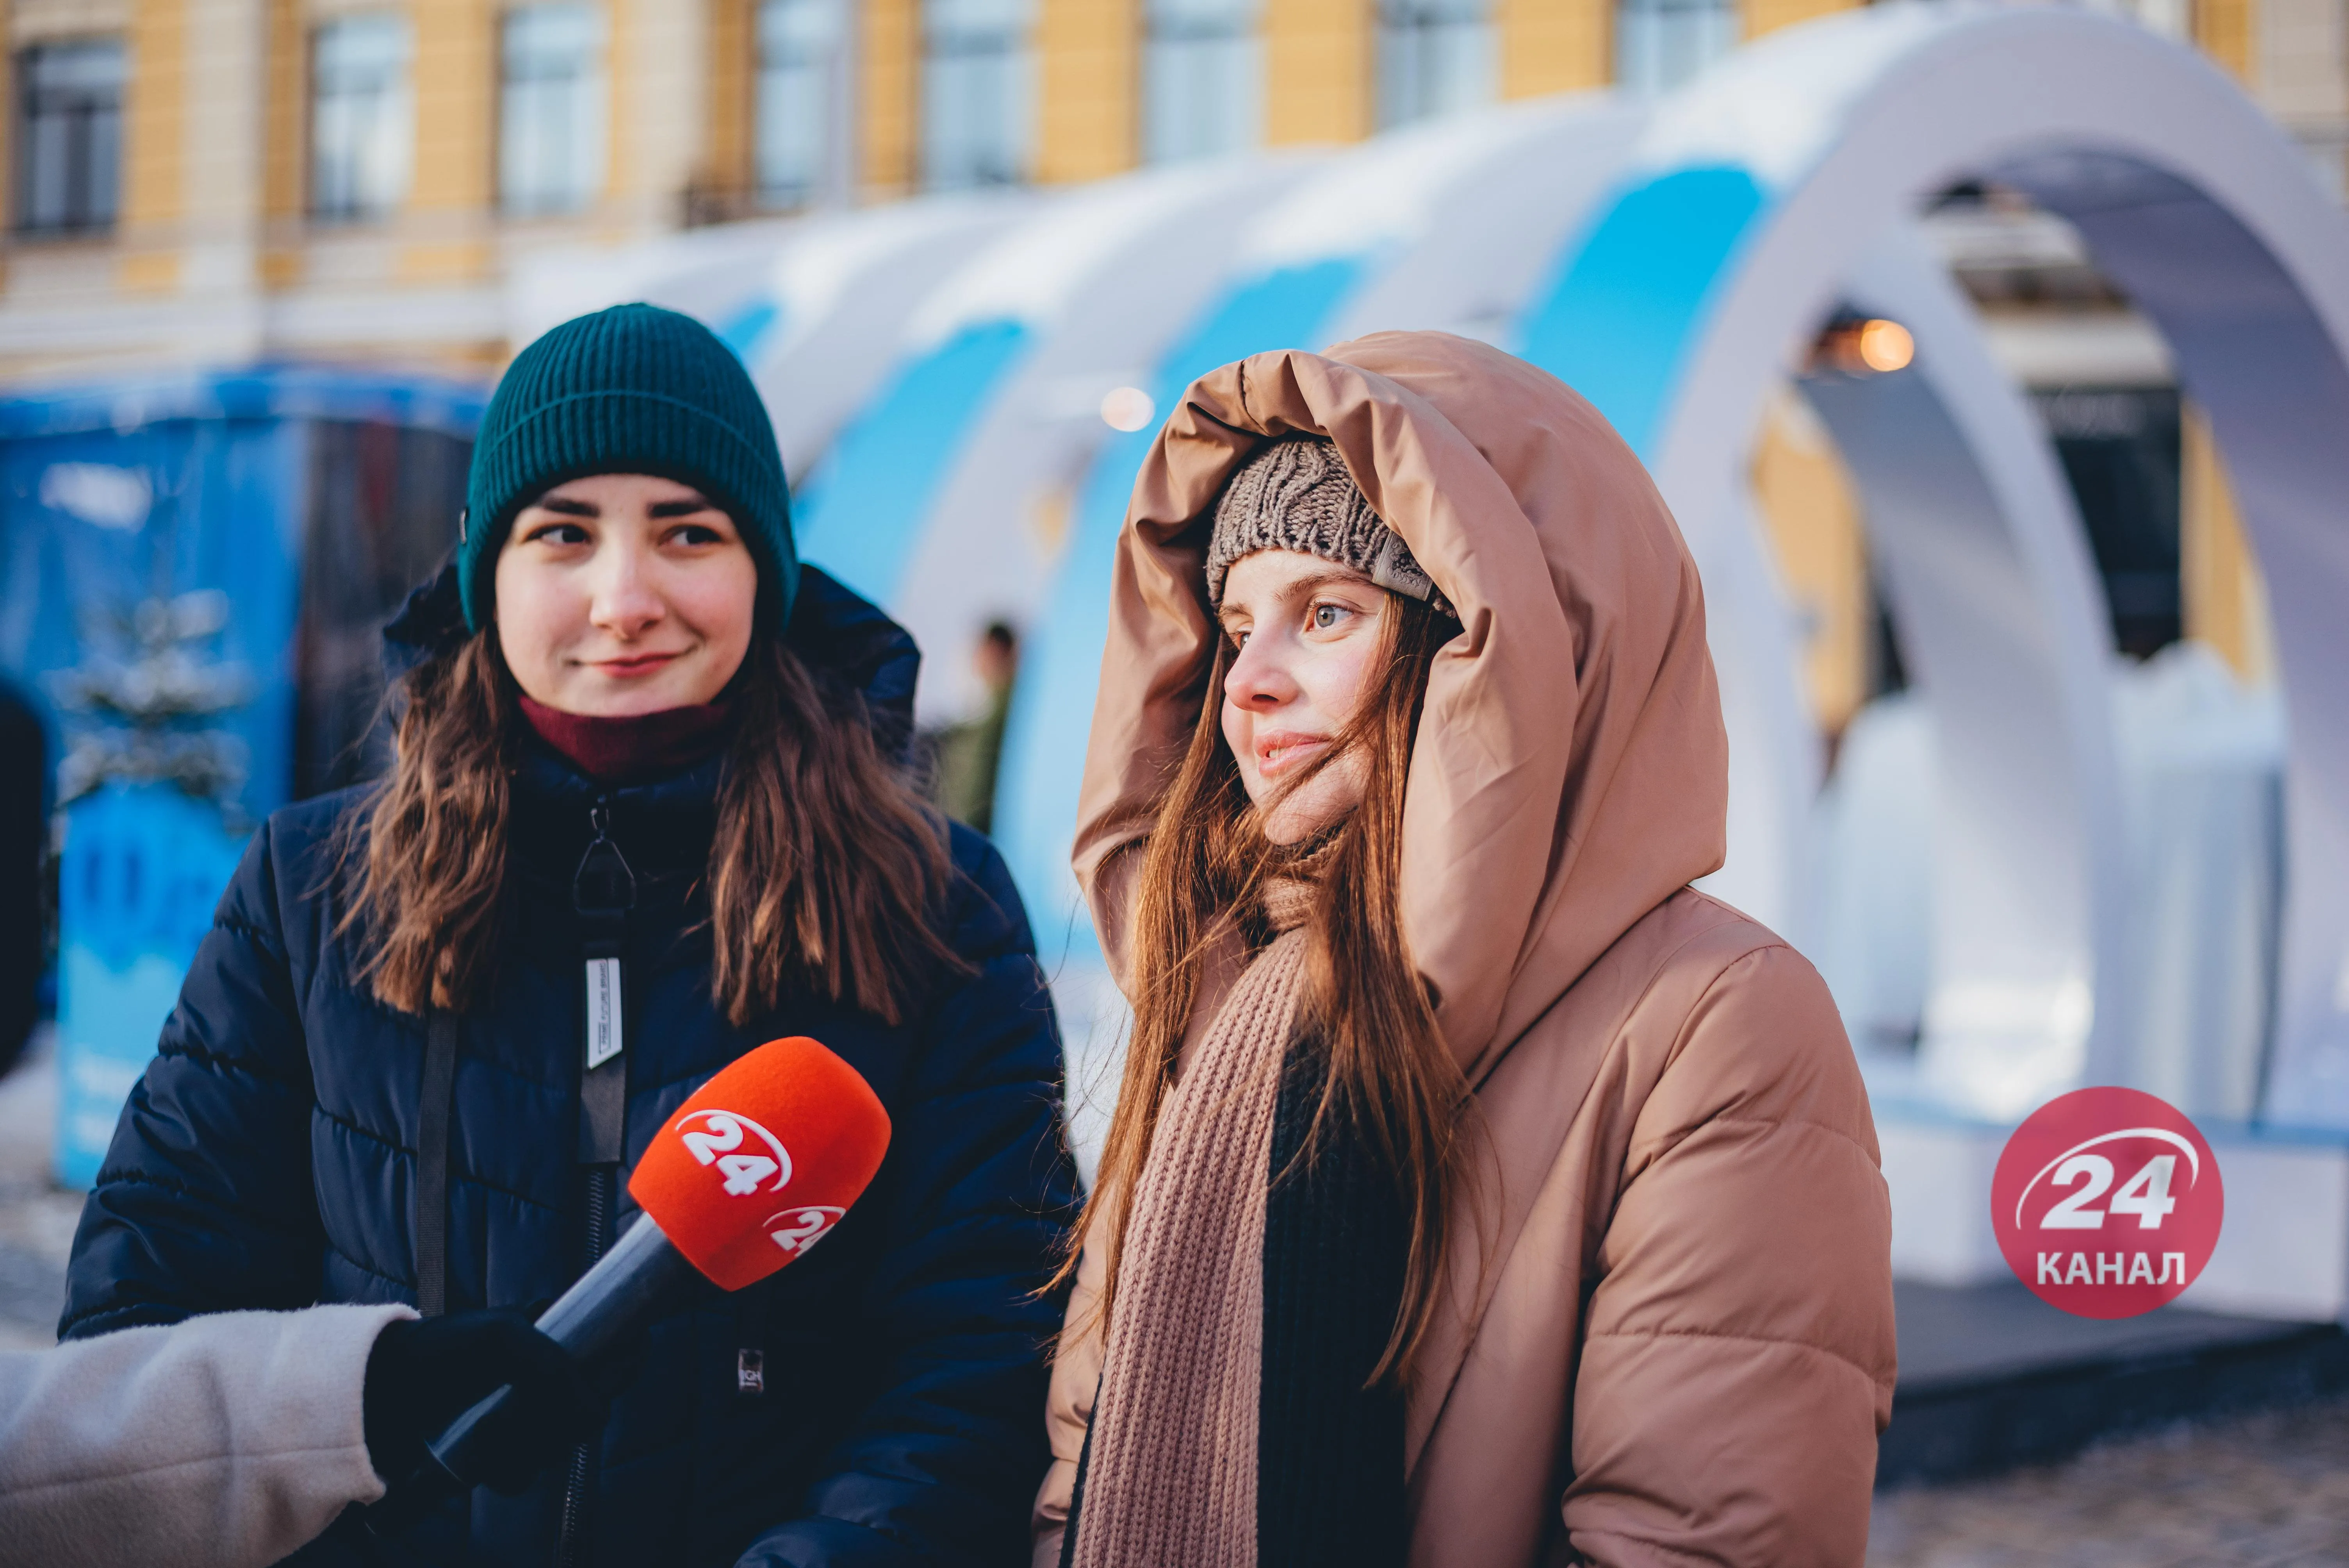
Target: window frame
[(1179, 54), (1710, 28), (826, 67), (402, 96), (593, 111), (1012, 50), (97, 218), (1412, 40)]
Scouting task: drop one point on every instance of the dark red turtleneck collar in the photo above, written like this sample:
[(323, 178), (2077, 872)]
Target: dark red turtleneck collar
[(637, 747)]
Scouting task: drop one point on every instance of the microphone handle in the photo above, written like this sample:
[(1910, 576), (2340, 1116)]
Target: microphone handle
[(628, 1285), (614, 1299)]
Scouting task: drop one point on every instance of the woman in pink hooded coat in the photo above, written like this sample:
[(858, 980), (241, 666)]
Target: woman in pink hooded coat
[(1480, 1194)]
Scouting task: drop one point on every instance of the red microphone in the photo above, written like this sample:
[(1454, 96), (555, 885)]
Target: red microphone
[(749, 1174), (756, 1167)]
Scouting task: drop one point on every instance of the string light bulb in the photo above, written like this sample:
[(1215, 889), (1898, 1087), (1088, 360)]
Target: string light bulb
[(1127, 408), (1864, 346), (1885, 346)]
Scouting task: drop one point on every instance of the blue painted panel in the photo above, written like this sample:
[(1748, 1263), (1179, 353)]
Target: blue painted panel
[(111, 494), (224, 510), (1052, 708), (750, 326), (249, 476), (142, 869), (863, 511), (1634, 288)]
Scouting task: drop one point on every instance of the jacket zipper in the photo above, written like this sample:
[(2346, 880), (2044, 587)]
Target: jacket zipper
[(571, 1544)]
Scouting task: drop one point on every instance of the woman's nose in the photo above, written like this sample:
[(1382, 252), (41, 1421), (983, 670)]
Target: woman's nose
[(1256, 679), (625, 603)]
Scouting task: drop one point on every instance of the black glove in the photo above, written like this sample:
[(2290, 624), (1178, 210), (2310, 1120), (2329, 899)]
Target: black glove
[(424, 1373)]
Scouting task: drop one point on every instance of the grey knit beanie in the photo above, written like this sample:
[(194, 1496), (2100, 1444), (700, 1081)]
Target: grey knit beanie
[(1296, 494)]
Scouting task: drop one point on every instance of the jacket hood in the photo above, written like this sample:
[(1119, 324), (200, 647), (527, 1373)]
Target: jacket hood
[(1571, 768), (831, 629)]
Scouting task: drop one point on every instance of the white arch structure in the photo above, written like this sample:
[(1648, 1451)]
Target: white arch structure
[(1784, 171), (1982, 552), (816, 307), (936, 498)]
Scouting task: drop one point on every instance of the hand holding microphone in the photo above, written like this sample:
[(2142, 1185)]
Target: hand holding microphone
[(750, 1172), (423, 1373)]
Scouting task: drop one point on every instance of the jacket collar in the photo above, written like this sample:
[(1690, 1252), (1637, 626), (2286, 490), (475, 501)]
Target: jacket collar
[(662, 826)]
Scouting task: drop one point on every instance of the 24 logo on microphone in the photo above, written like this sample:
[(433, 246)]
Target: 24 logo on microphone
[(2108, 1203), (719, 1140), (725, 1139)]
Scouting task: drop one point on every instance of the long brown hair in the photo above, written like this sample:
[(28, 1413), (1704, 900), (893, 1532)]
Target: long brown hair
[(1387, 1077), (827, 869)]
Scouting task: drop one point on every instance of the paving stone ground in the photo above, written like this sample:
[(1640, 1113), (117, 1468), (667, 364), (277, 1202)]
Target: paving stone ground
[(2265, 1491)]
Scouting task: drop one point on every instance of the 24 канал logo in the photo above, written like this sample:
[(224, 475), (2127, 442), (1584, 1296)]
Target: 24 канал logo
[(2108, 1203)]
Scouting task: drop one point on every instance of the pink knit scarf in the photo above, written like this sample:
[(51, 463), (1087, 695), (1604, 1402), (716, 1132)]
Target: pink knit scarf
[(1171, 1474)]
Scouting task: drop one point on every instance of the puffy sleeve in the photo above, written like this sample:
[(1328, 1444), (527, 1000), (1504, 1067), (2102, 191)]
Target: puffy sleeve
[(204, 1202), (225, 1442), (1738, 1356), (938, 1468)]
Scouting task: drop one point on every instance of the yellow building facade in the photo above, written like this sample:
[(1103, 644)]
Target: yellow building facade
[(219, 182), (352, 179)]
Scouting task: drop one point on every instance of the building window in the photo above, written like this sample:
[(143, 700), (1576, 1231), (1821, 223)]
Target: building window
[(975, 99), (800, 64), (69, 135), (1660, 44), (1202, 79), (550, 109), (360, 117), (1435, 57)]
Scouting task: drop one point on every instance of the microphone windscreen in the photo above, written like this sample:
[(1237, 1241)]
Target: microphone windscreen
[(758, 1163)]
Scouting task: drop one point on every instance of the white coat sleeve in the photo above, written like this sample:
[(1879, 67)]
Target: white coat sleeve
[(225, 1441)]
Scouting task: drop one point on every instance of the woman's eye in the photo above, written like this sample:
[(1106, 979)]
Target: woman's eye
[(560, 533), (1326, 616), (696, 533)]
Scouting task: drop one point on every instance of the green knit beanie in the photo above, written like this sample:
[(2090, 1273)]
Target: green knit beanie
[(634, 389)]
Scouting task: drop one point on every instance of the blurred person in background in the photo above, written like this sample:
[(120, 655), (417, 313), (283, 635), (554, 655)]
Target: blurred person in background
[(24, 893), (968, 755), (636, 733), (229, 1440), (1479, 1194)]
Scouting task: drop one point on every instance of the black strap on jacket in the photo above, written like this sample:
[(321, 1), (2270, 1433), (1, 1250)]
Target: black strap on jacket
[(434, 1109), (603, 891)]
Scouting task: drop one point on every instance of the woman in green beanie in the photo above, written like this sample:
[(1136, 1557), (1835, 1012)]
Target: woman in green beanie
[(649, 809)]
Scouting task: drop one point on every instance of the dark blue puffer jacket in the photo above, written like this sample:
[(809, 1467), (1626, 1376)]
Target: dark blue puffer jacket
[(267, 1159)]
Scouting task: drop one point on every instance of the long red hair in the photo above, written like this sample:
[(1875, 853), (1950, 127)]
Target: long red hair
[(1386, 1076)]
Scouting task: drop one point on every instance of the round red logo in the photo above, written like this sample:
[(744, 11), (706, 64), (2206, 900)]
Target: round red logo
[(2108, 1203)]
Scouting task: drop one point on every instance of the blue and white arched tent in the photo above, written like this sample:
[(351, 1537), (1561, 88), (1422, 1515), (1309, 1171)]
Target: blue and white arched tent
[(814, 306), (1437, 227), (1674, 262), (946, 497)]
